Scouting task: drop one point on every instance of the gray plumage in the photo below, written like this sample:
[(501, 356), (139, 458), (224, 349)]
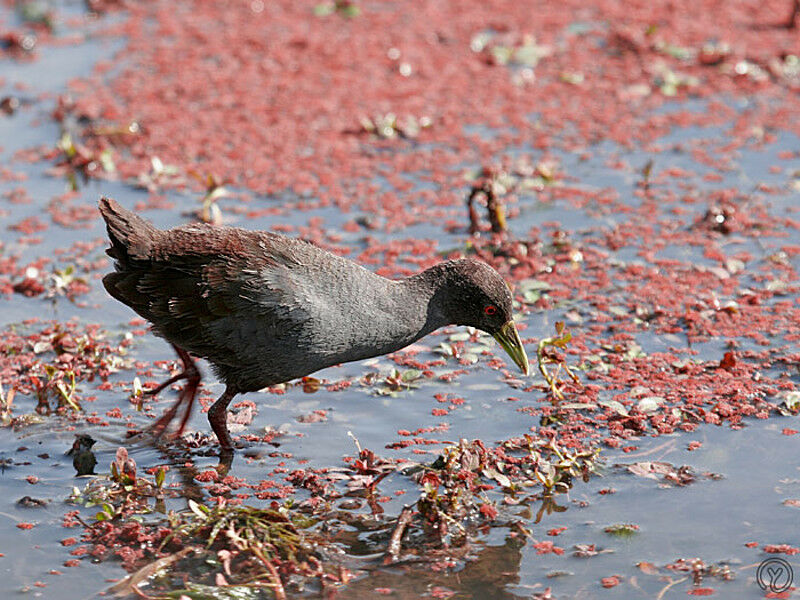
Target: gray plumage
[(264, 308)]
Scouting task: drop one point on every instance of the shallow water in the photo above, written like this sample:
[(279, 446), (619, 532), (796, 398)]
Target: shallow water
[(710, 519)]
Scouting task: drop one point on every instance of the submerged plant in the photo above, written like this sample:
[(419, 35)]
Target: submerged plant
[(345, 8), (228, 548), (214, 190), (454, 487), (49, 363), (6, 400), (159, 175), (76, 159), (490, 189), (546, 357), (390, 126)]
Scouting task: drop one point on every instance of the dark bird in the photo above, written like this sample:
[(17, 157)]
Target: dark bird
[(263, 308), (83, 459)]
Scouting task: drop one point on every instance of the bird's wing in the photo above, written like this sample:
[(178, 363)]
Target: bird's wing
[(221, 293)]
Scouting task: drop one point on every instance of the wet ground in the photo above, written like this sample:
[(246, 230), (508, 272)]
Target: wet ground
[(616, 250)]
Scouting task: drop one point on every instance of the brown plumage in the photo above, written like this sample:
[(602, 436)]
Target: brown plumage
[(264, 308)]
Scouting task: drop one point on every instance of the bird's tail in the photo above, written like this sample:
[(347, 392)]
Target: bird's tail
[(131, 236)]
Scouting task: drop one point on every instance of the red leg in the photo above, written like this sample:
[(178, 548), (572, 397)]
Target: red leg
[(156, 390), (218, 418), (189, 372), (186, 398), (191, 388)]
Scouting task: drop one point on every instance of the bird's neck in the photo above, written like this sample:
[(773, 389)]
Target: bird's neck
[(431, 292), (393, 314)]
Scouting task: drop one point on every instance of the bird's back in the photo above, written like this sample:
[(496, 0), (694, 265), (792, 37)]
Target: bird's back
[(241, 299), (261, 307)]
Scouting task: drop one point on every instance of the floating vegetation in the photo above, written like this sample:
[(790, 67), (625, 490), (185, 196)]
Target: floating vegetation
[(490, 190), (159, 175), (214, 190), (88, 144), (494, 186), (49, 362), (547, 356), (75, 160), (393, 383), (668, 473), (253, 547), (390, 126), (693, 570), (286, 546), (227, 545), (454, 487), (121, 496), (646, 171), (345, 8), (623, 530), (519, 52)]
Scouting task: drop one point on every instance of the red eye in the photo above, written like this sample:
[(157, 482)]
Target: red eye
[(490, 310)]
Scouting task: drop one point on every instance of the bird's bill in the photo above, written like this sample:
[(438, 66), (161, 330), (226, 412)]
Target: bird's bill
[(508, 338)]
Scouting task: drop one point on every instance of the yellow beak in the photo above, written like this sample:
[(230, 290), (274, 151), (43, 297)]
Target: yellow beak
[(508, 338)]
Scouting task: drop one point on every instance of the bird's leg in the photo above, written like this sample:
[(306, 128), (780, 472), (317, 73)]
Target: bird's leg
[(186, 398), (189, 372), (156, 390), (218, 418)]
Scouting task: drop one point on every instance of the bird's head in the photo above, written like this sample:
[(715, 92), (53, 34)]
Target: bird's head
[(476, 295)]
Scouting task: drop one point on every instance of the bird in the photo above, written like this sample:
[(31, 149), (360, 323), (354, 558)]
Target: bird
[(264, 308), (83, 459)]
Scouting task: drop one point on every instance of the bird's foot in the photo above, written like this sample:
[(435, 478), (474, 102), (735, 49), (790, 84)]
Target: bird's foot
[(189, 372), (162, 386), (218, 419), (225, 461)]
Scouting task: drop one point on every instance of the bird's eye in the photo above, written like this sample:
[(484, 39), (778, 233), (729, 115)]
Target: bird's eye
[(490, 310)]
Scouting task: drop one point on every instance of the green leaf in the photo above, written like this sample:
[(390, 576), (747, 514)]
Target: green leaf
[(562, 341), (792, 400), (533, 289), (501, 479), (198, 509), (350, 10), (461, 336), (502, 54), (411, 375), (324, 9), (107, 162), (531, 296), (622, 530), (614, 405), (215, 530)]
